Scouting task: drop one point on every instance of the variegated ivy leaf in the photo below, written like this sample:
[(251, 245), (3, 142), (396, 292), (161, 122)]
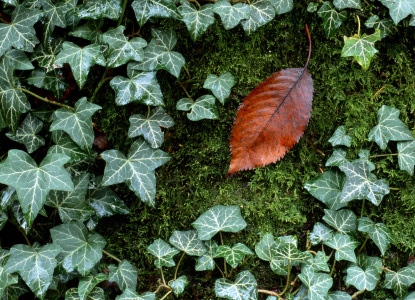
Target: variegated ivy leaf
[(132, 295), (13, 292), (17, 215), (141, 87), (206, 262), (78, 123), (81, 250), (52, 81), (400, 281), (188, 242), (145, 9), (230, 14), (163, 252), (121, 50), (320, 233), (389, 128), (203, 108), (6, 279), (90, 31), (72, 205), (362, 184), (244, 287), (65, 145), (98, 9), (339, 295), (400, 9), (340, 137), (362, 48), (220, 86), (312, 7), (344, 221), (364, 155), (410, 296), (288, 254), (11, 2), (317, 263), (158, 55), (331, 20), (234, 255), (46, 53), (318, 284), (364, 262), (96, 294), (362, 279), (18, 60), (282, 6), (385, 26), (406, 156), (149, 127), (265, 248), (33, 182), (3, 219), (219, 218), (344, 246), (80, 59), (327, 188), (197, 21), (88, 283), (7, 196), (179, 285), (20, 33), (54, 15), (378, 232), (27, 133), (137, 170), (125, 275), (262, 12), (337, 158), (342, 4), (35, 265)]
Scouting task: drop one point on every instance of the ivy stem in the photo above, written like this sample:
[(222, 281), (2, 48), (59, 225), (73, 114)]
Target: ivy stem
[(312, 252), (178, 264), (220, 270), (358, 293), (110, 255), (332, 268), (122, 13), (148, 111), (224, 260), (165, 296), (363, 245), (288, 279), (101, 82), (230, 273), (45, 100), (23, 233), (162, 275), (187, 94), (3, 20), (303, 295), (331, 253), (187, 71), (384, 155), (387, 270), (394, 189), (363, 206), (161, 286), (293, 283), (358, 28), (197, 3), (269, 293)]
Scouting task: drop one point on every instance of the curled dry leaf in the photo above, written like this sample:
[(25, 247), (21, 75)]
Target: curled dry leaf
[(272, 118)]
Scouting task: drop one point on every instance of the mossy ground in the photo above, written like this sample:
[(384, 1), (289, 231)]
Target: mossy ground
[(272, 198)]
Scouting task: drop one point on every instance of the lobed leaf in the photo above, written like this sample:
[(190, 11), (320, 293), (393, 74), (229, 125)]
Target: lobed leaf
[(332, 20), (197, 21), (130, 294), (385, 26), (244, 287), (65, 145), (282, 6), (88, 283), (378, 232), (234, 255), (163, 253), (362, 279), (318, 284), (406, 156), (262, 12), (125, 275), (188, 242), (46, 53), (27, 133), (206, 262), (220, 86), (340, 137), (342, 4), (52, 81), (90, 31), (230, 14), (145, 9), (18, 60), (399, 9), (54, 15), (97, 9), (344, 246), (317, 263), (337, 158), (179, 285), (203, 108), (400, 281), (96, 294), (344, 221), (320, 233)]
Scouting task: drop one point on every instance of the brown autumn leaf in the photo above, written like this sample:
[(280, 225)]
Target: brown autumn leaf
[(272, 118)]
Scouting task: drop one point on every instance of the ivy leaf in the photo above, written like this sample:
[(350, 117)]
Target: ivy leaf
[(81, 250), (120, 49), (90, 31), (125, 275), (344, 221), (332, 20), (262, 12), (378, 232), (80, 59), (78, 123), (288, 252), (137, 170), (344, 246), (282, 6), (364, 262), (389, 128), (98, 9), (243, 288), (203, 108), (361, 184), (399, 9), (197, 21), (362, 48), (149, 127), (327, 188), (206, 262), (145, 9), (35, 265), (18, 60), (141, 87), (33, 182), (362, 279), (342, 4), (13, 292), (163, 253), (234, 255), (339, 295), (265, 248), (188, 242), (231, 15), (72, 205), (220, 86), (65, 145), (52, 81), (27, 133), (317, 263), (46, 54), (320, 233), (318, 284), (385, 26), (179, 285), (6, 280), (340, 137), (337, 158), (219, 218), (87, 284), (132, 295), (406, 156), (400, 281), (20, 34), (312, 7), (96, 294), (54, 15), (365, 156)]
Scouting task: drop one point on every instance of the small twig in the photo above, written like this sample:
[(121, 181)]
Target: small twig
[(178, 264), (331, 253), (293, 283), (197, 3), (110, 255), (309, 46), (45, 100), (357, 294), (379, 91), (187, 94)]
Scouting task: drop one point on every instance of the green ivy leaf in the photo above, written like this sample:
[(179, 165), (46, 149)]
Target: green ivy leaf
[(400, 281), (265, 248), (220, 86), (132, 295), (88, 283), (78, 123), (206, 262), (317, 263), (18, 60), (365, 156), (231, 15), (98, 9), (342, 4), (339, 295), (362, 279), (33, 182), (27, 133), (234, 255), (312, 7), (90, 31), (81, 250), (163, 252), (6, 280), (150, 127), (362, 48), (320, 233), (243, 288), (125, 275), (80, 59), (121, 50), (262, 12), (385, 26), (96, 294), (406, 157), (219, 218), (54, 15), (13, 292), (282, 6), (389, 128), (340, 137), (46, 54), (52, 81), (399, 9), (188, 242), (344, 246), (179, 285), (35, 265), (318, 284), (378, 232), (344, 221), (145, 9), (337, 158), (137, 170), (203, 108), (332, 20), (197, 21), (288, 252)]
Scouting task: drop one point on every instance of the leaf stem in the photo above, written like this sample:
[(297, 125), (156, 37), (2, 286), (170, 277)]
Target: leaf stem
[(394, 189), (161, 285), (358, 28), (187, 94), (303, 295), (101, 82), (363, 206), (387, 270), (269, 293), (162, 275), (45, 100), (358, 293), (178, 264), (187, 71), (22, 232), (309, 46), (224, 260), (384, 155), (312, 252), (363, 245), (148, 111), (122, 13), (110, 255), (165, 296), (288, 279), (220, 270), (332, 268), (3, 20)]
